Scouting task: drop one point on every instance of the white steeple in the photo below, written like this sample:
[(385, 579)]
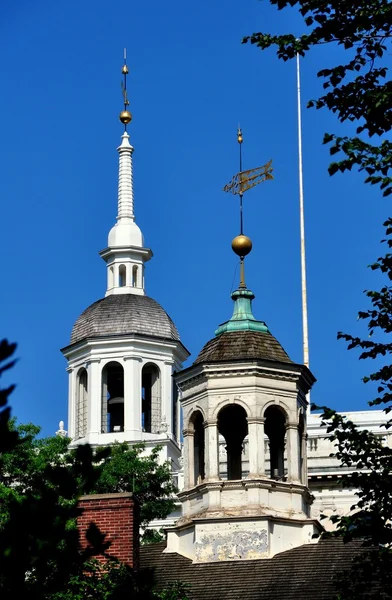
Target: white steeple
[(125, 179), (125, 255)]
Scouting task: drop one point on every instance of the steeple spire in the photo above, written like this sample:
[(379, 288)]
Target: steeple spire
[(125, 179), (125, 255)]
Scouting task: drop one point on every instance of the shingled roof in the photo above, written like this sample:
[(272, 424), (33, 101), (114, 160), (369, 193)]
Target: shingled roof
[(243, 345), (121, 314), (304, 573)]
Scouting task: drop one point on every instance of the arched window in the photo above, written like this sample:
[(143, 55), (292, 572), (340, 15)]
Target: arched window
[(233, 425), (151, 399), (122, 275), (275, 429), (81, 404), (134, 276), (112, 398), (198, 447)]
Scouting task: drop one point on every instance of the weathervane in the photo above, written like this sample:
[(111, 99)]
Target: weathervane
[(125, 115), (240, 183)]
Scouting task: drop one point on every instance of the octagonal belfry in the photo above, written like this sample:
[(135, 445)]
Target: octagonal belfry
[(244, 388)]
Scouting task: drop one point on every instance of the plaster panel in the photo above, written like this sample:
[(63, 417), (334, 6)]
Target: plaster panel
[(231, 541), (231, 498)]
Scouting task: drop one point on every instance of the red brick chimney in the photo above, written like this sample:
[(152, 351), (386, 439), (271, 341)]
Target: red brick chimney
[(116, 515)]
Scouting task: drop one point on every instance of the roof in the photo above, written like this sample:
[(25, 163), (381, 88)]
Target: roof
[(303, 573), (243, 345), (122, 314)]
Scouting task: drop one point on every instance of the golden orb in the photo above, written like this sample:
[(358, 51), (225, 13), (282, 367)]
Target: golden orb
[(125, 117), (241, 245), (125, 70)]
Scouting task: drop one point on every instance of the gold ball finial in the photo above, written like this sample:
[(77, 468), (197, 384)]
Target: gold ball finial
[(125, 70), (241, 245), (125, 117)]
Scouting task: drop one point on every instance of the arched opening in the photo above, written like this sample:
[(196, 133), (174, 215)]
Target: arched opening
[(198, 447), (233, 425), (275, 429), (122, 276), (151, 399), (81, 404), (111, 278), (134, 276), (301, 448), (112, 398)]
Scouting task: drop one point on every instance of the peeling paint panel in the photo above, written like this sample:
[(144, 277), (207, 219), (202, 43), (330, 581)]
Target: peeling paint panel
[(235, 541)]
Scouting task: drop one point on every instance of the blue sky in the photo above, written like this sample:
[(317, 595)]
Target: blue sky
[(191, 82)]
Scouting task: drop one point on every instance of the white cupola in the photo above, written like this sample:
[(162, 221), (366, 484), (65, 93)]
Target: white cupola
[(243, 396), (124, 348)]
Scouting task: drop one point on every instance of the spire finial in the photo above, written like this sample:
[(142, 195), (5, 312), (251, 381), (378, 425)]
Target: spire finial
[(125, 115), (243, 181)]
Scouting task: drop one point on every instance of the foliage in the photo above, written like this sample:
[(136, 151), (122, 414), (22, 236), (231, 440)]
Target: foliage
[(152, 536), (126, 469), (38, 551), (112, 581), (119, 468), (23, 469), (176, 590)]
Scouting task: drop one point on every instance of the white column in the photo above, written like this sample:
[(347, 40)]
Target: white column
[(304, 474), (128, 278), (132, 395), (256, 447), (71, 403), (211, 451), (95, 397), (292, 452), (125, 179), (179, 414), (167, 394), (189, 458)]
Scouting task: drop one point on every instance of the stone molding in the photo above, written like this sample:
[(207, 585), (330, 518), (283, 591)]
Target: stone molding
[(261, 482)]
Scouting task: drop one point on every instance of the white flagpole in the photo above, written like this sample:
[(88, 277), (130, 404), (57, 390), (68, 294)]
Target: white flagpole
[(302, 227)]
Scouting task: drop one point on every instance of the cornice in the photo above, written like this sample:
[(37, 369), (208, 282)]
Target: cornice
[(252, 370), (260, 483)]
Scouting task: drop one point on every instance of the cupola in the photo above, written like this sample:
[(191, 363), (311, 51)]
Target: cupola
[(245, 391)]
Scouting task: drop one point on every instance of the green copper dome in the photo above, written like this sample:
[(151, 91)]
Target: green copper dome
[(242, 319)]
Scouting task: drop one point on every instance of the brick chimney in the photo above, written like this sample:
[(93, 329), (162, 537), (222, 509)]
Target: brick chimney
[(116, 515)]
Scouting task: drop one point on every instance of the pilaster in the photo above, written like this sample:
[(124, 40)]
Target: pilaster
[(132, 395), (167, 394), (71, 403), (189, 458), (94, 424), (211, 450), (293, 452), (256, 447)]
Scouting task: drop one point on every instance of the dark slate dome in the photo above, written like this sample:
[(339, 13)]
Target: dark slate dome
[(122, 314), (243, 345)]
